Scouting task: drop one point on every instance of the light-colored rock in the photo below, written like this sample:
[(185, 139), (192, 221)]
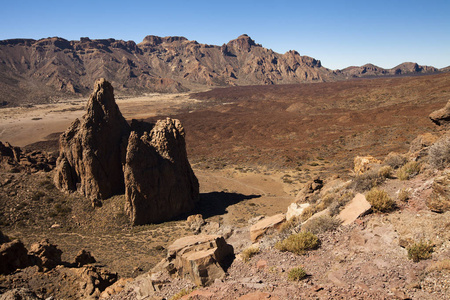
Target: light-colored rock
[(115, 288), (295, 210), (195, 222), (273, 222), (201, 258), (364, 163), (357, 207)]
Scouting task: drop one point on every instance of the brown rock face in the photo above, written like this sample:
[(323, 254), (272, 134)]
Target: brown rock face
[(47, 256), (159, 181), (92, 149), (13, 255), (441, 117)]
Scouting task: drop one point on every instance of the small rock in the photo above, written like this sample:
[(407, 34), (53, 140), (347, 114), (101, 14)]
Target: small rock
[(83, 258)]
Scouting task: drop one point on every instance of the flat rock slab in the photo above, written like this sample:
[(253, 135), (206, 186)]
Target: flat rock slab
[(356, 207), (258, 229)]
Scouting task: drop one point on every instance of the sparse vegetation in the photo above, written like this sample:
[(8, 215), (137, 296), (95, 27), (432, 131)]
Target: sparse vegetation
[(249, 252), (299, 243), (403, 195), (182, 293), (291, 223), (367, 180), (385, 172), (395, 160), (321, 224), (408, 171), (296, 274), (439, 153), (380, 200), (419, 251)]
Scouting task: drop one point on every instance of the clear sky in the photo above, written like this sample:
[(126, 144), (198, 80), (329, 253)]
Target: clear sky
[(339, 33)]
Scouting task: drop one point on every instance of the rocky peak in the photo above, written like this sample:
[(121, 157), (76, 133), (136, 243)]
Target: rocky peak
[(242, 43)]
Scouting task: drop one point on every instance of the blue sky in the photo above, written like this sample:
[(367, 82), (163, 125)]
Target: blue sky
[(339, 33)]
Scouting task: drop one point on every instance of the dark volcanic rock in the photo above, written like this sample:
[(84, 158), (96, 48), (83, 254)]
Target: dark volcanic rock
[(46, 255), (13, 256), (92, 149), (159, 181), (83, 258), (441, 117)]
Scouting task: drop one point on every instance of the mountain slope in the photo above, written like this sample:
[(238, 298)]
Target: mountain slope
[(39, 71)]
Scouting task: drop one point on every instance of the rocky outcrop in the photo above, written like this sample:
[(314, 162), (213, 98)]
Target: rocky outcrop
[(19, 294), (201, 258), (439, 200), (365, 163), (92, 149), (13, 256), (357, 207), (160, 183), (29, 161), (261, 227), (83, 258), (311, 189), (295, 210), (45, 255), (441, 117)]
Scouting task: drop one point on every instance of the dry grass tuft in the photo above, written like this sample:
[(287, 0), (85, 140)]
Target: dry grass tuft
[(403, 195), (420, 250), (249, 252), (408, 171), (439, 153), (296, 274), (299, 243), (439, 266), (380, 200)]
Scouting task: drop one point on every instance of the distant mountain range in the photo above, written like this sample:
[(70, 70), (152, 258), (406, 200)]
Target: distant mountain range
[(46, 69)]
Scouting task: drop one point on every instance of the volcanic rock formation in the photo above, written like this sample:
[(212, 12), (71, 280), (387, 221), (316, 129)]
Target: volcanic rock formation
[(153, 168), (441, 117), (160, 183), (93, 148)]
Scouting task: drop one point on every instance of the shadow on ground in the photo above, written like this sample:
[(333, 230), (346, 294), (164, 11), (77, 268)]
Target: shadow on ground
[(216, 203)]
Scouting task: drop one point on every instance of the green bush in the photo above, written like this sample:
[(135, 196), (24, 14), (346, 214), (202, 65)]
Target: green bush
[(380, 200), (299, 243), (296, 274), (409, 170), (419, 251)]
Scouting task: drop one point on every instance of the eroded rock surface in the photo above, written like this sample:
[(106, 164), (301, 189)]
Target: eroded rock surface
[(13, 256), (92, 149), (46, 255), (159, 180), (441, 117)]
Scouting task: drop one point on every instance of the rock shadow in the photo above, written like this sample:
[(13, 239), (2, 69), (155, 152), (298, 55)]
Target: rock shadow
[(216, 203)]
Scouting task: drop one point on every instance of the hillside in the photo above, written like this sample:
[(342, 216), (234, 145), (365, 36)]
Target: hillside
[(41, 71)]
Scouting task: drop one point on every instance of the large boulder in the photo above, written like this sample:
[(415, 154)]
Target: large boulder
[(201, 258), (13, 256), (441, 117), (46, 255), (261, 227), (159, 181), (92, 149)]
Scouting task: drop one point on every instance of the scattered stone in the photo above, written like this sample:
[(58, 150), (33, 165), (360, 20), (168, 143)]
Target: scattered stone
[(364, 163), (83, 258), (357, 207), (258, 296), (419, 146), (198, 294), (159, 180), (56, 225), (441, 117), (310, 189), (295, 210), (261, 264), (45, 255), (13, 256), (115, 288), (195, 222), (201, 258), (274, 222), (92, 149)]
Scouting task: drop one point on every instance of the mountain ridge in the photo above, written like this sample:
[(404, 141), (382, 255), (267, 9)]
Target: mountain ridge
[(50, 68)]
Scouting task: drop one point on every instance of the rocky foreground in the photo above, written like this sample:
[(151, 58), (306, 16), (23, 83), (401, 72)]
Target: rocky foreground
[(381, 235)]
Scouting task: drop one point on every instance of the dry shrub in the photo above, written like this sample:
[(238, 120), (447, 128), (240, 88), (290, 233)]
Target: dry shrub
[(395, 160), (249, 253), (385, 172), (439, 200), (288, 225), (380, 200), (419, 251), (403, 195), (439, 153), (321, 224), (307, 213), (367, 180), (409, 170), (296, 274), (299, 243)]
